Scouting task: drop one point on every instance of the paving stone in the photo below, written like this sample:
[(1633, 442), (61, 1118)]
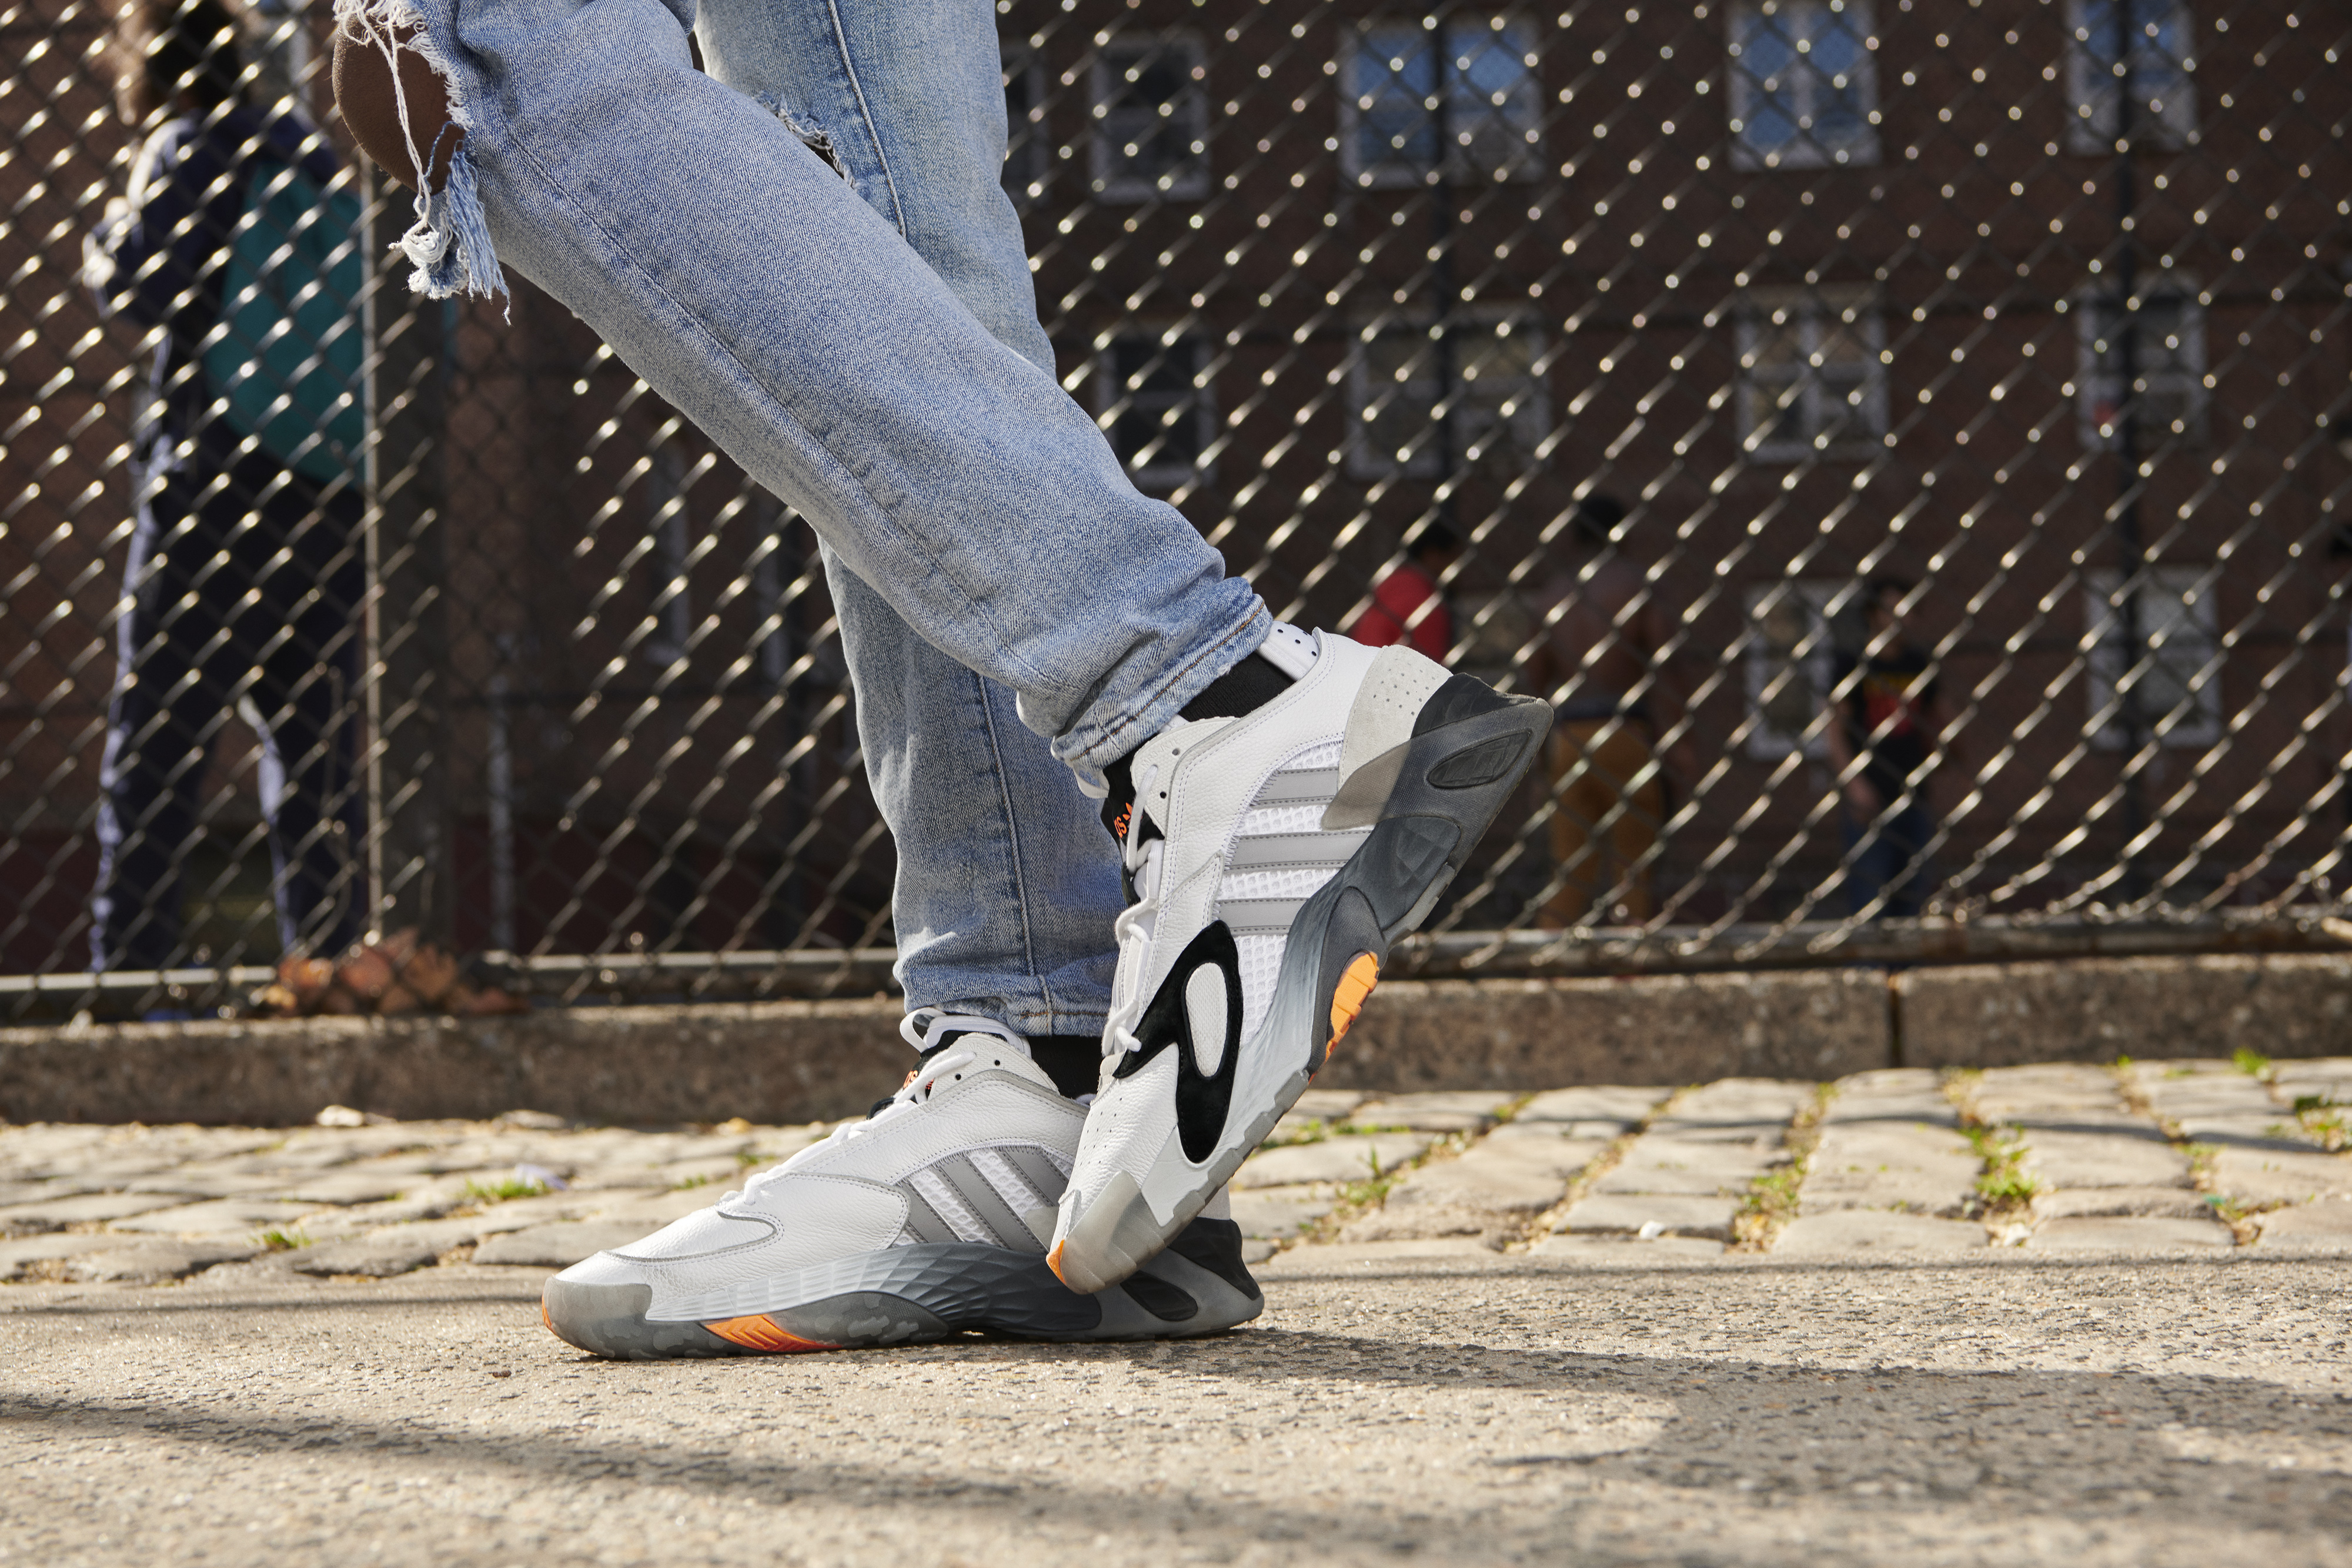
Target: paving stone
[(1658, 1163), (2273, 1130), (1492, 1190), (1894, 1094), (1279, 1213), (350, 1184), (2139, 1157), (2322, 1228), (718, 1174), (19, 1258), (221, 1217), (1621, 1105), (193, 1182), (1677, 1216), (1732, 1103), (1464, 1111), (650, 1211), (380, 1256), (1863, 1232), (2123, 1202), (1342, 1159), (2275, 1176), (1255, 1250), (2105, 1235), (1873, 1164), (152, 1263), (1628, 1251), (90, 1209), (2005, 1094), (1328, 1104), (557, 1246), (14, 1193)]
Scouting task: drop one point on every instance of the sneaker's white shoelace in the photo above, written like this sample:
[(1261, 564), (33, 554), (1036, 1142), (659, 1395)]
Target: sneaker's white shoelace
[(917, 1029)]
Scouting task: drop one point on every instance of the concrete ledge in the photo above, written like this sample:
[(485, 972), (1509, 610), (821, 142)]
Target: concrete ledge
[(766, 1061), (1652, 1028), (2095, 1009), (805, 1060)]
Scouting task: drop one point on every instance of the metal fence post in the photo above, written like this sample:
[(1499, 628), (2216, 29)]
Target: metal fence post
[(410, 870)]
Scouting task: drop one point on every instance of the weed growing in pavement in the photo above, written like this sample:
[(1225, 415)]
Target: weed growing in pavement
[(1771, 1199), (504, 1189), (2252, 1064), (282, 1238), (745, 1159), (691, 1181), (2323, 1119)]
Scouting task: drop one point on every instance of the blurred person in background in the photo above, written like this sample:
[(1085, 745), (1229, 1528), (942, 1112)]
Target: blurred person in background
[(1600, 657), (1884, 726), (1407, 604), (235, 246)]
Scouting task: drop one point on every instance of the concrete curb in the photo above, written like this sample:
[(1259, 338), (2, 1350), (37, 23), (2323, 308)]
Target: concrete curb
[(801, 1061)]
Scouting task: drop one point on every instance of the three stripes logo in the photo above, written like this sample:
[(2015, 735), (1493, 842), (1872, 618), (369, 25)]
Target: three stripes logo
[(1198, 1013)]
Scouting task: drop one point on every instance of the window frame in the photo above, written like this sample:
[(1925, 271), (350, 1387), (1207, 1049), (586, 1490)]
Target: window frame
[(1028, 143), (2092, 101), (1812, 303), (2093, 308), (1449, 165), (1363, 462), (1112, 400), (1806, 150), (2195, 588), (1110, 186)]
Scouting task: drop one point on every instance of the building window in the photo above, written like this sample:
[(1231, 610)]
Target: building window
[(1152, 119), (1811, 380), (1151, 393), (1397, 375), (671, 612), (1395, 128), (2148, 42), (1804, 84), (2174, 683), (1790, 664), (1028, 153), (2162, 329)]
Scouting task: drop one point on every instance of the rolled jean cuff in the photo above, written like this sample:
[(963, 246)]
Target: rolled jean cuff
[(1115, 725)]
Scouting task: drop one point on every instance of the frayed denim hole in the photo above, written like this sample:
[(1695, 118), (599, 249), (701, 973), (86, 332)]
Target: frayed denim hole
[(810, 136)]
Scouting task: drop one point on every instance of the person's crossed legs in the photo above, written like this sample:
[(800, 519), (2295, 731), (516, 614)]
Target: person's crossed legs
[(1282, 817)]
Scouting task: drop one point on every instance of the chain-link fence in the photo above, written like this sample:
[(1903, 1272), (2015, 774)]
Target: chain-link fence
[(1909, 440)]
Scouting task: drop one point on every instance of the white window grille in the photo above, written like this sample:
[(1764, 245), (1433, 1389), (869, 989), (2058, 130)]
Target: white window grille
[(1152, 119), (2175, 679), (672, 610), (1499, 407), (2166, 317), (2152, 42), (1152, 396), (1804, 84), (1790, 664), (1811, 379), (1398, 127)]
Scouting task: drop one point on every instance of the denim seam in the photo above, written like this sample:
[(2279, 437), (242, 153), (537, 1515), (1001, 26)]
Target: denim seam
[(907, 539), (1013, 836), (865, 112)]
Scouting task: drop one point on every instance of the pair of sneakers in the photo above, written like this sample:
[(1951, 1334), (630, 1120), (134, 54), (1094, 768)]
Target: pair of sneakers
[(1271, 856)]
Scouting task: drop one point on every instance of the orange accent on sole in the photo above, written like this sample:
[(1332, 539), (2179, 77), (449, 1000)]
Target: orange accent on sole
[(759, 1332), (1054, 1260), (545, 1319), (1363, 972)]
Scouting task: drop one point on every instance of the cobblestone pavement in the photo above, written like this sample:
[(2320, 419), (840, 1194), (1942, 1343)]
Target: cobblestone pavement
[(2049, 1312)]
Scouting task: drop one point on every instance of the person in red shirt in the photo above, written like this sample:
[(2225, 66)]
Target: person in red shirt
[(1407, 605)]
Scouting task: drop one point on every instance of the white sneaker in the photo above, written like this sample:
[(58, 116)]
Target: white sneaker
[(928, 1218), (1274, 857)]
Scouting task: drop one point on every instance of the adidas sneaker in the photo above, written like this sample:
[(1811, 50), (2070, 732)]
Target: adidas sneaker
[(930, 1217), (1272, 858)]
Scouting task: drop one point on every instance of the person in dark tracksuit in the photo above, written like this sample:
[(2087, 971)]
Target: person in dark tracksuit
[(246, 573)]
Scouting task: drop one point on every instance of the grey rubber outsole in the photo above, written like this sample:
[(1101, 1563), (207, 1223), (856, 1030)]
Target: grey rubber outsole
[(1424, 830), (913, 1295)]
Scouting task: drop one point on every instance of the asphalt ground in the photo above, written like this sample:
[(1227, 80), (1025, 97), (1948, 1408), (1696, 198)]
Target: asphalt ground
[(1399, 1401)]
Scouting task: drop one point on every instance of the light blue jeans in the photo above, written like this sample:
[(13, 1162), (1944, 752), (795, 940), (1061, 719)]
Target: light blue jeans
[(868, 350)]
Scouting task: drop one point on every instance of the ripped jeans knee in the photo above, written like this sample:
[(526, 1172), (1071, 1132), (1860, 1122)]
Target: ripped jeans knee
[(395, 89)]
